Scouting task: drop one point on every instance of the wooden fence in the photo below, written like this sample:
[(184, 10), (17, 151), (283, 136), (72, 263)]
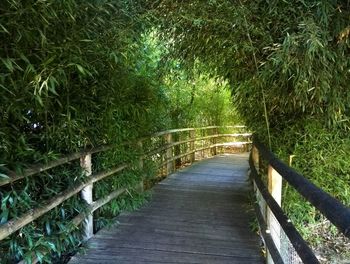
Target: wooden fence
[(191, 143), (273, 222)]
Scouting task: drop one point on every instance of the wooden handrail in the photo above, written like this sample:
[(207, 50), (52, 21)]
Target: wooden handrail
[(52, 164), (167, 146), (76, 221), (331, 208), (38, 168), (13, 225), (301, 247), (337, 213), (171, 131)]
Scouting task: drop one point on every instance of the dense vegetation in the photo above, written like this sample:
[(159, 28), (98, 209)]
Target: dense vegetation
[(288, 64), (79, 74)]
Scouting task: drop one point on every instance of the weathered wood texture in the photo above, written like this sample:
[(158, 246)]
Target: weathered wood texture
[(199, 214)]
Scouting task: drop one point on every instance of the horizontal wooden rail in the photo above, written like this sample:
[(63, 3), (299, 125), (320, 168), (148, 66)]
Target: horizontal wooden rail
[(176, 157), (225, 135), (233, 144), (167, 146), (12, 176), (331, 208), (96, 205), (301, 247), (76, 221), (163, 148), (38, 168), (197, 150), (171, 131), (14, 225)]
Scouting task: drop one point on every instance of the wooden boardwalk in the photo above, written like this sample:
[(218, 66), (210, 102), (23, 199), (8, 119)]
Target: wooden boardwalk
[(200, 214)]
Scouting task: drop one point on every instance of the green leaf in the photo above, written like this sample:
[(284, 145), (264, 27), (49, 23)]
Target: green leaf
[(8, 63), (48, 228), (4, 176), (4, 29), (4, 216), (80, 69)]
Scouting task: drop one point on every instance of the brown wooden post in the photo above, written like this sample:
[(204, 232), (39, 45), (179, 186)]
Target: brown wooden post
[(169, 154), (275, 189), (203, 134), (193, 145), (214, 141), (139, 187), (255, 156), (86, 194)]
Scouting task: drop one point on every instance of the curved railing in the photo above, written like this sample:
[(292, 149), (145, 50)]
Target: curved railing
[(275, 226), (174, 145)]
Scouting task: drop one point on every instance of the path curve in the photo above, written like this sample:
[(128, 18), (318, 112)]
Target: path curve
[(200, 214)]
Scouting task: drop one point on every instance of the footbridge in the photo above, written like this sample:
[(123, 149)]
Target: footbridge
[(216, 198)]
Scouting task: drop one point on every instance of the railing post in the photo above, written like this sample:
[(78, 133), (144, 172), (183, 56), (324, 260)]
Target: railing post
[(169, 154), (192, 145), (139, 187), (255, 156), (275, 189), (214, 141), (203, 134), (86, 194)]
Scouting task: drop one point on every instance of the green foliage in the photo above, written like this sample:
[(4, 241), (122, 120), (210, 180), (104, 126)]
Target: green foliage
[(69, 79), (78, 74), (198, 98), (320, 155), (193, 96), (293, 54)]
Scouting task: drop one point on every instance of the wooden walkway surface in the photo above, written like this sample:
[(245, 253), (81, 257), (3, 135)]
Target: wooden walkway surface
[(200, 214)]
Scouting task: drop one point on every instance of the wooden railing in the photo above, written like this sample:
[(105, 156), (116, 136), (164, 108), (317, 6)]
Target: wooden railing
[(273, 221), (183, 145)]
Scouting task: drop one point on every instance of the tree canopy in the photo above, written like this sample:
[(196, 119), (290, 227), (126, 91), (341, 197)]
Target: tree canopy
[(77, 74), (293, 53)]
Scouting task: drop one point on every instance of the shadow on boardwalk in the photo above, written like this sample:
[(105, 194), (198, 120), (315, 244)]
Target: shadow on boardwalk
[(199, 214)]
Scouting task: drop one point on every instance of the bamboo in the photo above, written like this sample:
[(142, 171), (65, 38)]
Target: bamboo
[(76, 221), (13, 176), (15, 224), (44, 167), (140, 166)]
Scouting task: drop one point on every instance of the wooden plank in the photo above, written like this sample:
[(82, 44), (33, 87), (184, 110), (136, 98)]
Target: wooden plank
[(199, 214)]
